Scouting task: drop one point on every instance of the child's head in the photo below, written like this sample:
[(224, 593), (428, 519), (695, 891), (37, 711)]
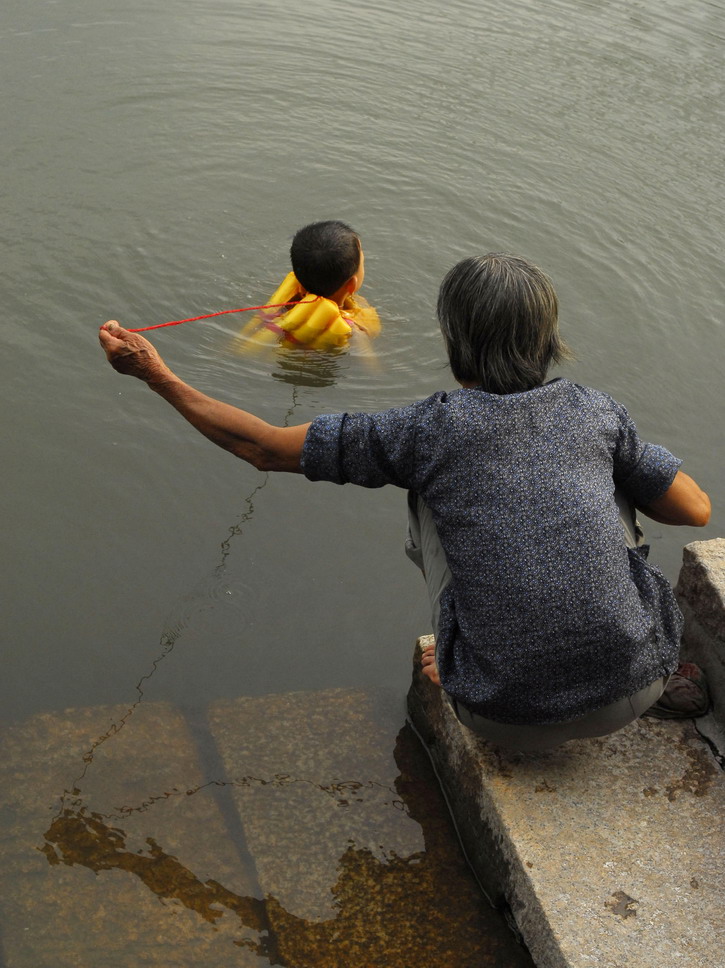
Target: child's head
[(325, 256), (499, 318)]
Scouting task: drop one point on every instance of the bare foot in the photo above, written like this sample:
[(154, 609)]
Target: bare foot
[(428, 663)]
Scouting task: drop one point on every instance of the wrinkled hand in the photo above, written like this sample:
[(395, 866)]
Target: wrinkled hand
[(131, 353)]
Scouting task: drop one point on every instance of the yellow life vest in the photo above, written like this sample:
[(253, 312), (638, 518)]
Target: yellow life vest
[(312, 321)]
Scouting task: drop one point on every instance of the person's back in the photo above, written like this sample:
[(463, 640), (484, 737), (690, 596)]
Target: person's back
[(520, 487)]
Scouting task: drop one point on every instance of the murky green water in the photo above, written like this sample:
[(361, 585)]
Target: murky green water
[(157, 159)]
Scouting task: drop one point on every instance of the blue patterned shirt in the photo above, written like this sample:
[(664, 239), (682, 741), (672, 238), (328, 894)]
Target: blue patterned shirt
[(548, 614)]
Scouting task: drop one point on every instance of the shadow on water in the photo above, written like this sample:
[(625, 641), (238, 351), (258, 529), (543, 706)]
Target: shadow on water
[(422, 909)]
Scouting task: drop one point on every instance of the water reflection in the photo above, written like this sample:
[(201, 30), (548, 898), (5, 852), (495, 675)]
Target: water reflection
[(421, 908), (306, 368)]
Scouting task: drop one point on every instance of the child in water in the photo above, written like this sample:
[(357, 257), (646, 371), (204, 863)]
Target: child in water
[(321, 310)]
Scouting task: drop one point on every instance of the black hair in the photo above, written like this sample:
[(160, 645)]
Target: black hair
[(499, 318), (324, 256)]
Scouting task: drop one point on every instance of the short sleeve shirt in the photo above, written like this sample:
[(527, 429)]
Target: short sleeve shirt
[(521, 489)]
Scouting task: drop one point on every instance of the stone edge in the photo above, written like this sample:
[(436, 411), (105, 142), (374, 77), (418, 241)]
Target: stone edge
[(491, 852), (701, 595)]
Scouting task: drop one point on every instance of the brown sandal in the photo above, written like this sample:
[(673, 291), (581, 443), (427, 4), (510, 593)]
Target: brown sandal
[(686, 695)]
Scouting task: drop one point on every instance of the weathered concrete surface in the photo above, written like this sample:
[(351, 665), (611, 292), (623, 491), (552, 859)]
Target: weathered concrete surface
[(701, 594), (131, 867), (124, 842), (354, 850), (610, 852)]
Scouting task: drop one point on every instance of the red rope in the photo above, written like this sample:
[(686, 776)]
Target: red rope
[(192, 319)]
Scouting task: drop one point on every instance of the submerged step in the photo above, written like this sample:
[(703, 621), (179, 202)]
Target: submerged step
[(302, 830), (112, 851), (610, 852), (354, 849)]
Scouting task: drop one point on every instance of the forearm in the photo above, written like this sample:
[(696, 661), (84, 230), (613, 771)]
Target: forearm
[(234, 430), (683, 503), (269, 448)]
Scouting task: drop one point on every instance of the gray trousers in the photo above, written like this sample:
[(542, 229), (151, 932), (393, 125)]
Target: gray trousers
[(423, 547)]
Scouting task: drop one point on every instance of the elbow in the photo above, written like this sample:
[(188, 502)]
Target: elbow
[(272, 461), (265, 462), (697, 512), (262, 458), (257, 456), (683, 503)]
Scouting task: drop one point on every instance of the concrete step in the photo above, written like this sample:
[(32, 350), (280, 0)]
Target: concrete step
[(317, 838), (351, 838), (121, 869), (609, 852)]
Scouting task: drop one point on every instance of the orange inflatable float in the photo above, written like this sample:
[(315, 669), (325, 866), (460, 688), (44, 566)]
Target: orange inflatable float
[(310, 321)]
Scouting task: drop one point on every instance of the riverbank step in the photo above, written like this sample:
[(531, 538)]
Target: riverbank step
[(109, 844), (351, 838), (609, 853), (304, 830)]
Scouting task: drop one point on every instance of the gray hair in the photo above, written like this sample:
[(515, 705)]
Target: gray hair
[(499, 318)]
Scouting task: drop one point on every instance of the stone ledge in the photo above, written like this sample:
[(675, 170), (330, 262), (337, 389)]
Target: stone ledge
[(352, 843), (608, 852), (701, 594), (702, 584)]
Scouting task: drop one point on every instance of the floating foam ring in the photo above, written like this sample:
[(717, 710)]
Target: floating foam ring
[(313, 321)]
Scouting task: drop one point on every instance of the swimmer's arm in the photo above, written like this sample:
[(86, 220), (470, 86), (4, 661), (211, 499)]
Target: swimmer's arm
[(267, 447), (684, 502)]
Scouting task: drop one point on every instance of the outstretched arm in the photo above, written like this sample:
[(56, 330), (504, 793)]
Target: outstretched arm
[(267, 447), (682, 503)]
